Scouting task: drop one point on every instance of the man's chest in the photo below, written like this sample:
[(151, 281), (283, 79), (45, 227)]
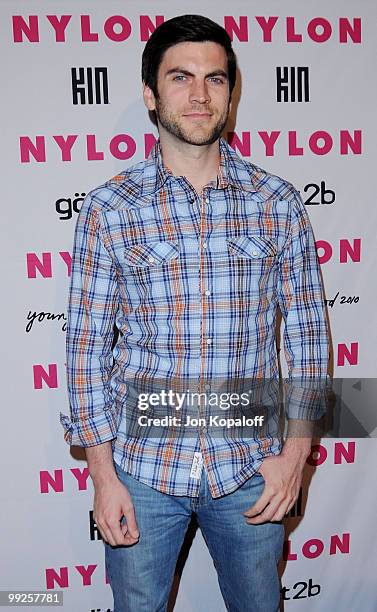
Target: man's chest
[(215, 223)]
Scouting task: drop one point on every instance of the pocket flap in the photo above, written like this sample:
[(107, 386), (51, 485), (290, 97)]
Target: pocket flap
[(152, 253), (253, 247)]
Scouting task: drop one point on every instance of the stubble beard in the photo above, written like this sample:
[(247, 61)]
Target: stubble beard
[(172, 125)]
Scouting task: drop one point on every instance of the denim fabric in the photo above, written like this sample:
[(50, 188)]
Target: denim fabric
[(245, 556)]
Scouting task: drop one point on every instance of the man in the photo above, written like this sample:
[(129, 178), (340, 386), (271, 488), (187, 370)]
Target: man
[(189, 254)]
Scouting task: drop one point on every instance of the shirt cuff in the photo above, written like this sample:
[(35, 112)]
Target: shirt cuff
[(307, 398), (92, 431)]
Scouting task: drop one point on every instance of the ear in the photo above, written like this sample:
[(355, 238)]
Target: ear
[(149, 99)]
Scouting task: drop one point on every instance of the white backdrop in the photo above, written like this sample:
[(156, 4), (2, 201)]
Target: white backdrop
[(48, 147)]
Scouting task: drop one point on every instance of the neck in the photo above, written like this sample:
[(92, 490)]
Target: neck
[(198, 164)]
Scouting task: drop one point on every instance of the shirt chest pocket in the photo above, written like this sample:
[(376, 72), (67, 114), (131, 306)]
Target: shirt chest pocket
[(255, 248), (151, 255), (151, 273), (251, 259)]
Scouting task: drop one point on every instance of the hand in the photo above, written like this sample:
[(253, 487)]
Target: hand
[(283, 477), (111, 501)]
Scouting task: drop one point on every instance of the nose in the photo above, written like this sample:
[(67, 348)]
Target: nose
[(199, 92)]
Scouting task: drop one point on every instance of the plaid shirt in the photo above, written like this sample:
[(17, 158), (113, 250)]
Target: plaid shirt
[(192, 282)]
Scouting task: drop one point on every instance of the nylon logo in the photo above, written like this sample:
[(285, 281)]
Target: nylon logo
[(71, 147), (118, 29)]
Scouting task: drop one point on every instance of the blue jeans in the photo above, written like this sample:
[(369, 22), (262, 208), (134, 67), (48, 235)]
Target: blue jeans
[(245, 556)]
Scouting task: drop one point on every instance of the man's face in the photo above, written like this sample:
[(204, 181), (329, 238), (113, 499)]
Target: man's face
[(193, 92)]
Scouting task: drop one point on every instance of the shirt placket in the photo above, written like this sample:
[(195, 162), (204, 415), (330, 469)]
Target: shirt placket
[(206, 336)]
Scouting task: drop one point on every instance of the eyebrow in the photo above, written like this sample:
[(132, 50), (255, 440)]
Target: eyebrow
[(218, 72)]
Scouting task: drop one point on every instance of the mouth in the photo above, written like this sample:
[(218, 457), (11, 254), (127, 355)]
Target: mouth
[(195, 115)]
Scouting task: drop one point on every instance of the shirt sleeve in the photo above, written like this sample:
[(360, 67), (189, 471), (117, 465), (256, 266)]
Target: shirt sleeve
[(302, 304), (92, 306)]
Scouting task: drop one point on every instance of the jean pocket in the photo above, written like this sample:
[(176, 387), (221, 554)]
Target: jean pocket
[(259, 475)]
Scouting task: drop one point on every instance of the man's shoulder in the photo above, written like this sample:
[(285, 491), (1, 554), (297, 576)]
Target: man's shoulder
[(270, 186), (252, 177), (122, 189)]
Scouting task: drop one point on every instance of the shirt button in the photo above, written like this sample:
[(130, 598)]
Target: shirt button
[(208, 292), (204, 245), (255, 253), (207, 200), (209, 340), (207, 386), (151, 259)]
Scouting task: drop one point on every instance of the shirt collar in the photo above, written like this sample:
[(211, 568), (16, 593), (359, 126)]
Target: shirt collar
[(233, 170)]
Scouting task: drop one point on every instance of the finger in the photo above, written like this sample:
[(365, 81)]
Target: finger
[(128, 539), (116, 532), (106, 534), (278, 517), (104, 531), (267, 513), (132, 527), (124, 528), (260, 504), (280, 514)]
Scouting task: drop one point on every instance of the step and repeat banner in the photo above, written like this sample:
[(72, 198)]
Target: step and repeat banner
[(73, 116)]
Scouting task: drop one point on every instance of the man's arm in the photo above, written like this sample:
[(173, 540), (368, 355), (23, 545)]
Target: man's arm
[(92, 306), (306, 346), (306, 334), (93, 422)]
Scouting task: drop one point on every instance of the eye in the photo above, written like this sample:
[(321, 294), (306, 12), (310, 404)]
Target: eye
[(179, 77), (217, 80)]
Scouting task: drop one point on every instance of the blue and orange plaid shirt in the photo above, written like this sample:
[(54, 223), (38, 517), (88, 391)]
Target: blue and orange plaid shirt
[(193, 283)]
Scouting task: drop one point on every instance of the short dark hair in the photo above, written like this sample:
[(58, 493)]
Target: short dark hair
[(185, 28)]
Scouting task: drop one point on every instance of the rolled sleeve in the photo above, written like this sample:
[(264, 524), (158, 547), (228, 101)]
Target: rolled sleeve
[(92, 307), (89, 432), (302, 304)]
